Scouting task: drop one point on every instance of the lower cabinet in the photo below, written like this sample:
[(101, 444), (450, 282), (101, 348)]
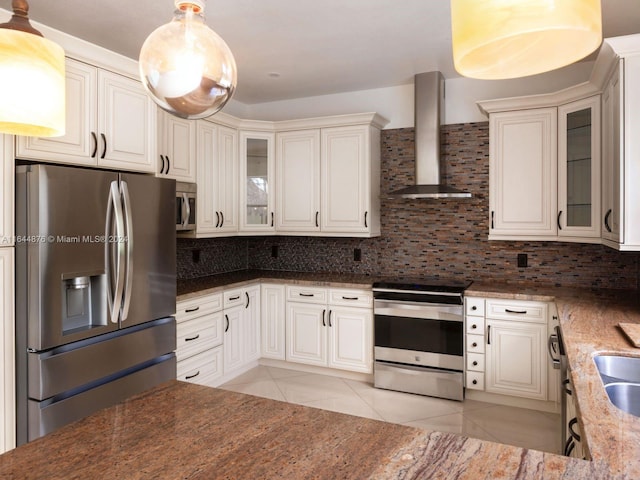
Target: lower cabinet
[(272, 319), (199, 339), (7, 338), (506, 347), (241, 327), (320, 332)]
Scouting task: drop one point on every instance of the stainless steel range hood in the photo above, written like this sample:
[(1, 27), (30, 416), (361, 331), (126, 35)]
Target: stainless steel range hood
[(429, 110)]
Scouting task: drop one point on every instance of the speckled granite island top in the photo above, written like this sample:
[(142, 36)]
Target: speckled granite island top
[(185, 431), (589, 323)]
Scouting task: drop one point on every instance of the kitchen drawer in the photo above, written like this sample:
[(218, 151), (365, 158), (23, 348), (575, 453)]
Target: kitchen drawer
[(299, 293), (517, 310), (475, 362), (475, 325), (475, 343), (474, 306), (475, 380), (351, 298), (194, 307), (203, 369), (195, 336), (235, 297)]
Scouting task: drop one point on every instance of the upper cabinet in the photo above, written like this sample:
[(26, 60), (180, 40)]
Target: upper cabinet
[(257, 175), (176, 147), (522, 169), (110, 123), (611, 149), (328, 179), (579, 168), (217, 179)]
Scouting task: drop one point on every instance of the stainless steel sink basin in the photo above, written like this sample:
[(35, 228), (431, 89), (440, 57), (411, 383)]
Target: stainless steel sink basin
[(621, 378), (625, 396), (614, 368)]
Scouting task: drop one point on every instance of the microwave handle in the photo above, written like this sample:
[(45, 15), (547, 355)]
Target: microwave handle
[(186, 210)]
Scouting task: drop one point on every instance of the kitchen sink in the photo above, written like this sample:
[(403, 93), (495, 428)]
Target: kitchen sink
[(621, 378), (614, 368), (625, 396)]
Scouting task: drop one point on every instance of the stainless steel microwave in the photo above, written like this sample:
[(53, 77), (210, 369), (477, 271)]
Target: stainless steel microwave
[(185, 206)]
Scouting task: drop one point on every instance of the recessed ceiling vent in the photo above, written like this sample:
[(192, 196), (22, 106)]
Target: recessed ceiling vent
[(429, 112)]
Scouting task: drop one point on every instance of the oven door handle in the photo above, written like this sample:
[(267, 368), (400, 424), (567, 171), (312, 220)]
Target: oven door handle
[(427, 311)]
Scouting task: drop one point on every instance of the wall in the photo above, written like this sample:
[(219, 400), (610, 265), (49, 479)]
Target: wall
[(426, 237)]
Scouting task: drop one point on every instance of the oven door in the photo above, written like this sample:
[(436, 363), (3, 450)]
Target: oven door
[(425, 334)]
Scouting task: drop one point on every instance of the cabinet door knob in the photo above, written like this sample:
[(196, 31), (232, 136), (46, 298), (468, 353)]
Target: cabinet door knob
[(475, 382), (474, 344), (474, 326), (475, 364), (474, 308)]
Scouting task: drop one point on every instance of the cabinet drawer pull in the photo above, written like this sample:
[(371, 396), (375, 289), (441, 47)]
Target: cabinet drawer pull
[(349, 298), (606, 221), (192, 376), (192, 338), (189, 310), (95, 144), (306, 294), (237, 297), (519, 312), (104, 140)]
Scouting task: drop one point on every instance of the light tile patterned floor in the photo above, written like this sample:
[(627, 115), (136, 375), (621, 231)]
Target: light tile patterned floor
[(487, 421)]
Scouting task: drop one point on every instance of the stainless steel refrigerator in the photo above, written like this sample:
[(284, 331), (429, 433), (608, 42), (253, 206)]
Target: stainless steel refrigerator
[(95, 291)]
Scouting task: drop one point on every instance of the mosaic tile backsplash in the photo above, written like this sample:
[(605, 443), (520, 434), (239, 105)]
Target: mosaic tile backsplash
[(446, 237)]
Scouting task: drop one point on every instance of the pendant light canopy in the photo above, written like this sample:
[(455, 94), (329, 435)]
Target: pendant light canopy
[(186, 67), (499, 39), (32, 83)]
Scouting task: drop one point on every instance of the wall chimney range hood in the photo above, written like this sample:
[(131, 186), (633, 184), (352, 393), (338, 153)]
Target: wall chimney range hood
[(429, 110)]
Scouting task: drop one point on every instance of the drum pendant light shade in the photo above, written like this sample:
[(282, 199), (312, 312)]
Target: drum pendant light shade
[(188, 70), (500, 39), (32, 79)]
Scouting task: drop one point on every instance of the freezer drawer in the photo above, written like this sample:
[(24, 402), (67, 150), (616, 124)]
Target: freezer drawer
[(420, 380), (76, 365), (47, 416)]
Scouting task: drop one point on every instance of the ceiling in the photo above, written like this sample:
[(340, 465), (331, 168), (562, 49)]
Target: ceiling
[(299, 48)]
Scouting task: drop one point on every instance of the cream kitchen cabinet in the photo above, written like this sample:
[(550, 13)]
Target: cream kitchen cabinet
[(328, 180), (621, 153), (199, 339), (522, 172), (7, 339), (516, 348), (579, 180), (176, 147), (6, 197), (298, 181), (474, 342), (241, 329), (110, 123), (257, 182), (217, 179), (323, 331), (272, 318)]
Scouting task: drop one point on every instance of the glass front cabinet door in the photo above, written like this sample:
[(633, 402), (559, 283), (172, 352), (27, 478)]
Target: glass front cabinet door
[(579, 169), (257, 171)]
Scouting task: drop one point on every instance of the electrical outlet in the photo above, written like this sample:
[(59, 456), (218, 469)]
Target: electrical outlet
[(357, 254), (195, 255), (274, 251), (523, 260)]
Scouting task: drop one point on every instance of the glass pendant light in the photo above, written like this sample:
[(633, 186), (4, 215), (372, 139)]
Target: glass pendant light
[(188, 70), (32, 83), (499, 39)]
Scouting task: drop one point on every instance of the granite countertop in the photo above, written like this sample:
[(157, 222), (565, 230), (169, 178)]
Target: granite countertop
[(185, 431), (588, 321), (215, 283)]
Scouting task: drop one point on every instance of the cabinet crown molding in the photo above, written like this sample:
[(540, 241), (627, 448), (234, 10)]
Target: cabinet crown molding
[(368, 118)]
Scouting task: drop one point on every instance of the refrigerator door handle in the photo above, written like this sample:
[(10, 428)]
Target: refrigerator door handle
[(115, 298), (127, 239)]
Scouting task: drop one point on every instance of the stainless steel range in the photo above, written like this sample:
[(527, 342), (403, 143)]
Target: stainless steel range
[(419, 336)]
